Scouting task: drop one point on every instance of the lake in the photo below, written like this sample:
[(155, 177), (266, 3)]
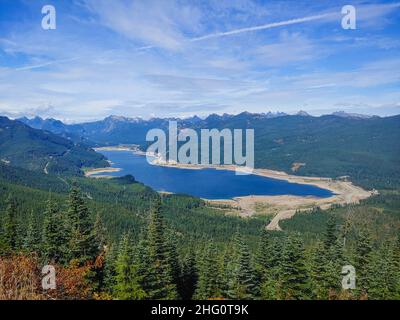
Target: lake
[(204, 183)]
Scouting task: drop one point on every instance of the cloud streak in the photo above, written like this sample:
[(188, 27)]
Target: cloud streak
[(265, 26), (330, 15), (45, 64)]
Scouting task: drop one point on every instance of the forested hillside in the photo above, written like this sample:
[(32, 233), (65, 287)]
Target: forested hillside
[(153, 258), (23, 146), (366, 150)]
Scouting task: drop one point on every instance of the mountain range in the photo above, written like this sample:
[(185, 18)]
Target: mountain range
[(118, 129), (366, 149)]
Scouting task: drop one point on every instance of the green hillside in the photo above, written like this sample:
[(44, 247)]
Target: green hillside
[(122, 223), (123, 205), (366, 150), (25, 147)]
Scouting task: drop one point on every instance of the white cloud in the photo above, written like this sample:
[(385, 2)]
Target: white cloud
[(289, 49), (370, 75), (158, 23)]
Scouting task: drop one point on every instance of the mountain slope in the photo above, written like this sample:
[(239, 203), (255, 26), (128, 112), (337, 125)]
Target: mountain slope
[(23, 146), (365, 149)]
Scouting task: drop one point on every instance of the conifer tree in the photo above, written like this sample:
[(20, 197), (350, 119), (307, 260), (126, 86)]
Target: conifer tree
[(263, 261), (31, 239), (269, 284), (269, 289), (159, 277), (100, 233), (396, 267), (82, 242), (54, 235), (275, 257), (173, 258), (208, 285), (330, 235), (227, 270), (382, 275), (362, 262), (243, 284), (127, 278), (332, 259), (318, 272), (10, 234), (188, 278), (109, 274), (293, 273)]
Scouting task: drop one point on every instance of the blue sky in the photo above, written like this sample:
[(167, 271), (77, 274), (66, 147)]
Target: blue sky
[(180, 58)]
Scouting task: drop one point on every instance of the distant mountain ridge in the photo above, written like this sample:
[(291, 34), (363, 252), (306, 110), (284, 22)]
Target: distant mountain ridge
[(352, 115), (57, 126), (119, 130)]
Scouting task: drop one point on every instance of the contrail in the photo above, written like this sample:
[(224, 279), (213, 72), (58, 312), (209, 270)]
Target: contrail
[(283, 23), (45, 64), (265, 26)]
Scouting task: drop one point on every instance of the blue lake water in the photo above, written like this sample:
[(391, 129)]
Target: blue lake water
[(205, 183)]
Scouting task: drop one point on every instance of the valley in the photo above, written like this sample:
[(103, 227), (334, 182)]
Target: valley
[(279, 206), (207, 212)]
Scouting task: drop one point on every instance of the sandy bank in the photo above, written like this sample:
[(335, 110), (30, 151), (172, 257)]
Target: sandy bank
[(118, 148), (285, 206), (92, 172)]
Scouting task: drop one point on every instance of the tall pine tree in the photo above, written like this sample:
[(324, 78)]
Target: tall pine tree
[(128, 281), (382, 277), (189, 276), (54, 240), (332, 260), (318, 272), (293, 273), (244, 284), (159, 276), (32, 235), (263, 255), (363, 262), (208, 285), (9, 234), (82, 243)]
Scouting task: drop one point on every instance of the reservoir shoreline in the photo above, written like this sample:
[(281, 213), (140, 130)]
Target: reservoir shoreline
[(280, 207)]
